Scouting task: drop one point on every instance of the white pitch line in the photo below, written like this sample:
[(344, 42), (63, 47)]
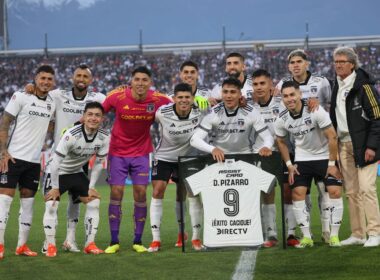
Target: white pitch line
[(246, 266)]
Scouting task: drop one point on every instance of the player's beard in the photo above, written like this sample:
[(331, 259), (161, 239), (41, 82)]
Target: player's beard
[(81, 89), (235, 75)]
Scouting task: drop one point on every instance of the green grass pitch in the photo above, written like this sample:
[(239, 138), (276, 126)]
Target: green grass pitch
[(319, 262)]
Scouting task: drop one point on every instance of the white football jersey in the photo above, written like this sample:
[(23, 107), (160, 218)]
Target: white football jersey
[(269, 112), (231, 194), (314, 86), (246, 91), (70, 109), (175, 133), (32, 121), (231, 131), (200, 91), (77, 148), (307, 130)]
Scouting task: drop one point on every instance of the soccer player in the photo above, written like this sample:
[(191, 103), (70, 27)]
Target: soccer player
[(315, 157), (235, 68), (130, 145), (177, 124), (70, 105), (231, 126), (269, 106), (315, 89), (20, 154), (77, 145)]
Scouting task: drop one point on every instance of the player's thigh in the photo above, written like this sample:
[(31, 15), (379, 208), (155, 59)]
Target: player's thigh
[(139, 170), (77, 184), (9, 180), (117, 170), (305, 176), (29, 179)]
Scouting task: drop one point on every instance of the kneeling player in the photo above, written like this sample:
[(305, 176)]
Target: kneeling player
[(177, 123), (316, 150), (75, 148)]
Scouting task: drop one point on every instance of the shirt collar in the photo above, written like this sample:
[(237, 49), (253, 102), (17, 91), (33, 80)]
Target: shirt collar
[(348, 80)]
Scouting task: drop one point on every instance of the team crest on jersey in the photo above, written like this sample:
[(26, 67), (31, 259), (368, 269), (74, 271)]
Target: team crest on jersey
[(240, 122), (308, 121), (150, 108), (4, 179), (67, 138), (97, 148), (194, 121), (48, 106), (314, 89), (276, 111)]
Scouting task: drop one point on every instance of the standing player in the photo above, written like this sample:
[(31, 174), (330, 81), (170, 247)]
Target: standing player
[(70, 105), (232, 126), (130, 145), (312, 87), (235, 68), (269, 107), (315, 157), (75, 148), (177, 125), (20, 155)]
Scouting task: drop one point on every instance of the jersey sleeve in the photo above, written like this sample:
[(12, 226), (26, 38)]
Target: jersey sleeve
[(322, 118), (109, 101), (199, 180), (15, 104), (103, 151), (207, 121), (279, 128), (216, 92), (258, 121), (263, 180)]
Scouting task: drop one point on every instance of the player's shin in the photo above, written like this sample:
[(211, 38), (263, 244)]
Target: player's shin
[(5, 205), (25, 219), (290, 219), (196, 211), (155, 218), (324, 207), (72, 219), (50, 221), (178, 213), (114, 218), (139, 215), (91, 220), (302, 217), (336, 215), (269, 214)]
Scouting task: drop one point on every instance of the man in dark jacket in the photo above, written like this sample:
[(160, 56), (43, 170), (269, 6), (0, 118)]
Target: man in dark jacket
[(355, 113)]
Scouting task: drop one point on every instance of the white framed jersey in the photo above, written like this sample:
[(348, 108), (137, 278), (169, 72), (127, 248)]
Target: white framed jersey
[(246, 90), (33, 116), (269, 112), (307, 131), (231, 194), (175, 133), (315, 86), (76, 147), (231, 131), (70, 109)]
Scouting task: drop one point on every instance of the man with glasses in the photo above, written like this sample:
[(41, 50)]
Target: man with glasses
[(355, 113)]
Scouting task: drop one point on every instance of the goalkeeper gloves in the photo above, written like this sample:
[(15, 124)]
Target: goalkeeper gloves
[(201, 102)]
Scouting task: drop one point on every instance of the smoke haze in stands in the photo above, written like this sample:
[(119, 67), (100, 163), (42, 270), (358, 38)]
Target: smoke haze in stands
[(81, 23)]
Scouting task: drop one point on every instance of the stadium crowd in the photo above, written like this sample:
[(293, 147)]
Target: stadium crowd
[(111, 70)]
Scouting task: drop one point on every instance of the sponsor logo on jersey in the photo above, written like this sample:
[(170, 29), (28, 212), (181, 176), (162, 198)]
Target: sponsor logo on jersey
[(126, 107), (222, 123), (39, 114), (172, 125), (74, 111), (136, 117), (33, 104), (150, 108)]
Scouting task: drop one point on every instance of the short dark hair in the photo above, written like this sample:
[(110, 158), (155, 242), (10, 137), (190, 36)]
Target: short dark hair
[(260, 72), (94, 104), (142, 69), (289, 84), (188, 63), (235, 54), (182, 87), (45, 68), (232, 81), (298, 52)]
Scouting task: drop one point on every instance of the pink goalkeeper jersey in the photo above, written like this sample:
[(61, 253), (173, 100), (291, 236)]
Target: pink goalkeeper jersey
[(130, 136)]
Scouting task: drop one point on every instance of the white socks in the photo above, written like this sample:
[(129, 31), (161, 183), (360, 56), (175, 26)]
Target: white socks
[(269, 218), (324, 206), (302, 217), (195, 210), (72, 218), (5, 205), (91, 220), (290, 219), (156, 217), (336, 215), (25, 219), (50, 221)]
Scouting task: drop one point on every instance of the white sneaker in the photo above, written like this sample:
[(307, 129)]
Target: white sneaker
[(373, 241), (70, 246), (352, 240)]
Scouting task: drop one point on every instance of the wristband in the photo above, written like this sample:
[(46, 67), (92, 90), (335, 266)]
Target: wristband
[(331, 163), (288, 163)]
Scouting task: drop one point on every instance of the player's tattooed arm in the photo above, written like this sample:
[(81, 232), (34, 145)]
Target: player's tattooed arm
[(5, 123)]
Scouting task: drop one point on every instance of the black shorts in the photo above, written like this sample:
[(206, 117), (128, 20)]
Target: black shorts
[(24, 173), (164, 170), (77, 184), (273, 165), (313, 169)]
